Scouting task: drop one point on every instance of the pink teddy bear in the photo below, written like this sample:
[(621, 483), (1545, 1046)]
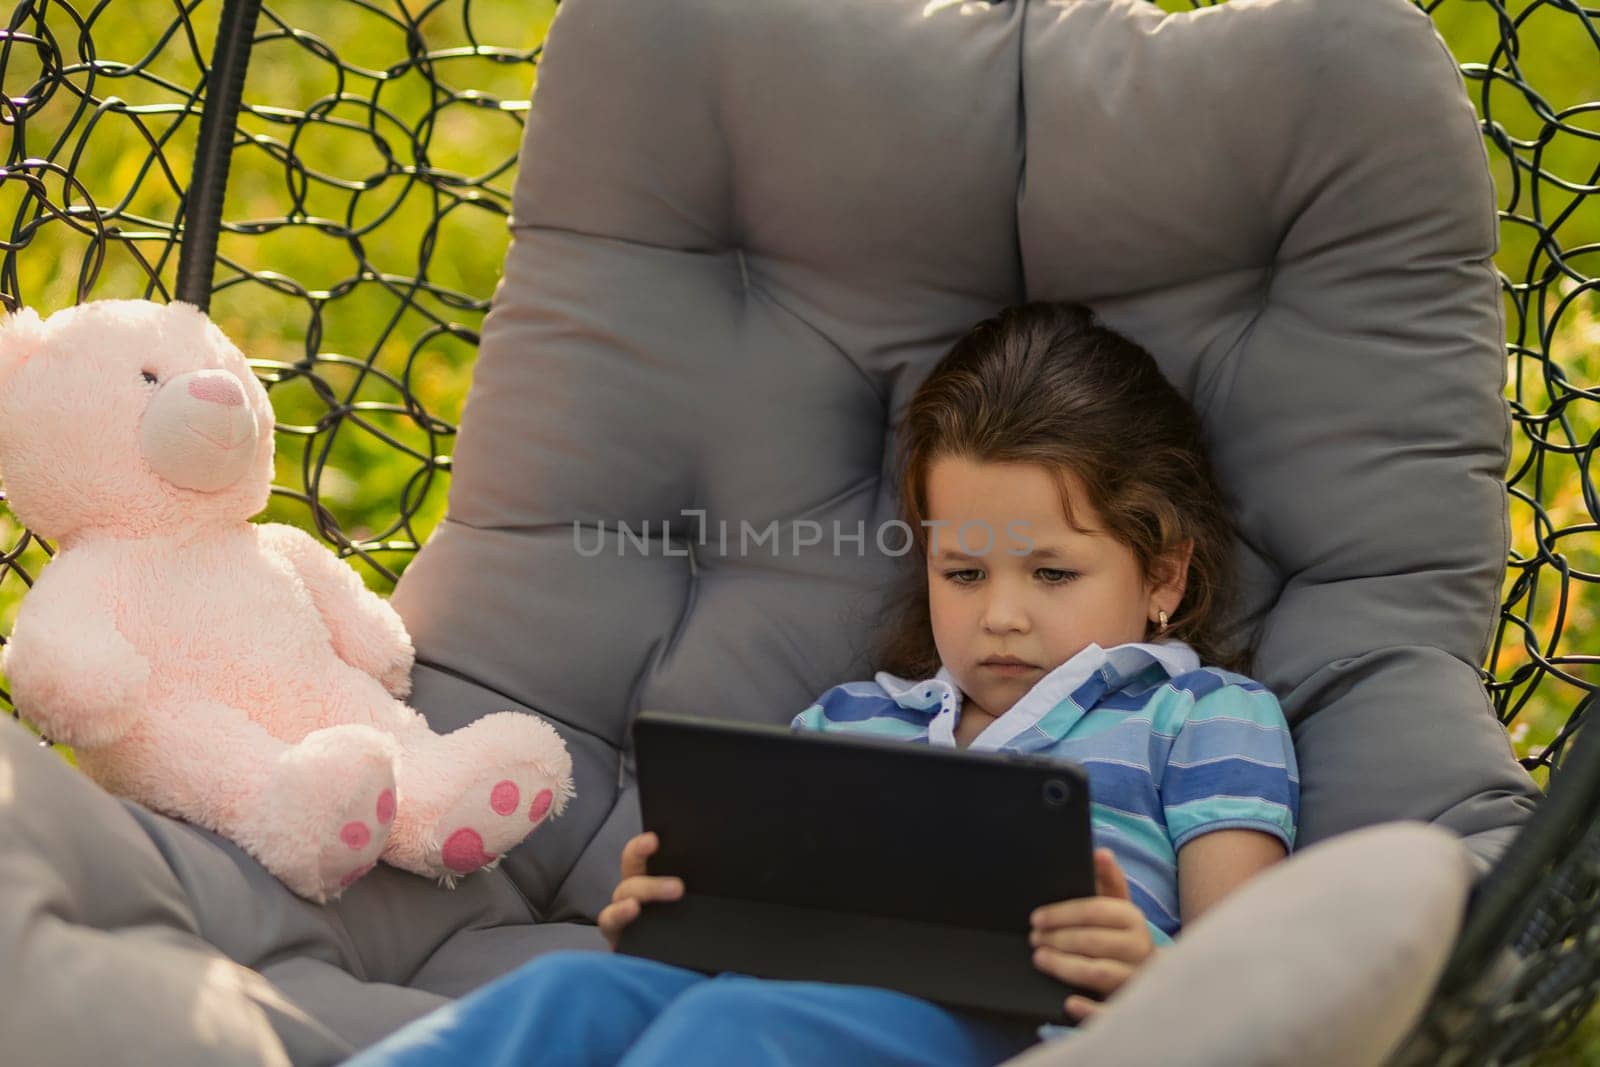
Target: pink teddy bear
[(234, 674)]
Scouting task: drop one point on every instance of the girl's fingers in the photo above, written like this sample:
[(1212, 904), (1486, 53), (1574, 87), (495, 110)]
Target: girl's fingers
[(1129, 946), (629, 898), (645, 887), (613, 917), (1089, 911), (1086, 972), (636, 851), (619, 912), (1108, 876), (1080, 1008)]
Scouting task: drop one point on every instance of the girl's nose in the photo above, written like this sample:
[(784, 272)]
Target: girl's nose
[(1004, 615)]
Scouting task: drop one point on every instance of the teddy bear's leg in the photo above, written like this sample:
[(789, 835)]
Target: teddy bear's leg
[(468, 796), (316, 813)]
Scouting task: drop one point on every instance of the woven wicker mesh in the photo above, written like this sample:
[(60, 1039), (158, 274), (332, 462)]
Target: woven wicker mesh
[(364, 223), (363, 226)]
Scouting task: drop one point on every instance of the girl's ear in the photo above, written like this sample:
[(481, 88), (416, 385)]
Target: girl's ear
[(21, 334), (1170, 577)]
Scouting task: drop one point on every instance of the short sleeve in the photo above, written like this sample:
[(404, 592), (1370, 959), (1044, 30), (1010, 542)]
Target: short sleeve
[(1232, 766)]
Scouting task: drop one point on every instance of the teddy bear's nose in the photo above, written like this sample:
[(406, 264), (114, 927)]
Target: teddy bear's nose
[(219, 389)]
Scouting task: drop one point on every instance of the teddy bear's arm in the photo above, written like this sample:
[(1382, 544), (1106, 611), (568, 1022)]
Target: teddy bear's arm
[(367, 633), (72, 672)]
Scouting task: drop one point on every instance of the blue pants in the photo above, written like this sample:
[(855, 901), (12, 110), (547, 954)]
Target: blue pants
[(571, 1008)]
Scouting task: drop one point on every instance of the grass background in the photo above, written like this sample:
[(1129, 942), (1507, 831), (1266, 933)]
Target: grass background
[(322, 252)]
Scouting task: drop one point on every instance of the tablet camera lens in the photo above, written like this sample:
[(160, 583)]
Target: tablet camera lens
[(1056, 792)]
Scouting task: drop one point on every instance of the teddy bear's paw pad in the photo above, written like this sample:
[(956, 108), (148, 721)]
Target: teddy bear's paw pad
[(353, 853), (359, 835), (541, 806), (493, 815), (504, 797), (463, 852)]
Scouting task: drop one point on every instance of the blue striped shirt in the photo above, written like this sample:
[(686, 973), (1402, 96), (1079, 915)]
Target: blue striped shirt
[(1172, 750)]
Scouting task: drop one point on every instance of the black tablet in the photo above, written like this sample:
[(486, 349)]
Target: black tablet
[(826, 858)]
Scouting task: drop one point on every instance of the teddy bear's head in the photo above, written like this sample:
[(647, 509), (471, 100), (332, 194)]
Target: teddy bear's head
[(129, 418)]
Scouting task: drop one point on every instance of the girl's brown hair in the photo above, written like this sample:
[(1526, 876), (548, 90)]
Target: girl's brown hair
[(1049, 384)]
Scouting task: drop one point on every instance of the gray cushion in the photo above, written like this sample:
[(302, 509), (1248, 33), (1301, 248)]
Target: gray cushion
[(1289, 203), (101, 948), (1367, 921), (744, 233), (121, 929)]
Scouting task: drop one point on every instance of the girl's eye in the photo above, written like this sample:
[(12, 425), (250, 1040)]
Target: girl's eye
[(1052, 576), (149, 377), (966, 577)]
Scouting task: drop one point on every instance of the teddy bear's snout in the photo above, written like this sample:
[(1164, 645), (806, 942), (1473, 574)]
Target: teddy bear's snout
[(199, 432)]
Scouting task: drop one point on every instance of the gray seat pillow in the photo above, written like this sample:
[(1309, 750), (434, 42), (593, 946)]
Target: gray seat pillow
[(101, 948), (127, 936), (1366, 920), (743, 234)]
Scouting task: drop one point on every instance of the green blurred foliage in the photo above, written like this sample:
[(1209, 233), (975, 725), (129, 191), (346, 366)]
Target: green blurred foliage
[(1533, 73)]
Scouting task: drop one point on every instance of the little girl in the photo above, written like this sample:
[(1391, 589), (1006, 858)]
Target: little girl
[(1075, 548)]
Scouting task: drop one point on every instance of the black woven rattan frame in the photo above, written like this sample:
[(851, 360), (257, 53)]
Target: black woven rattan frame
[(352, 254)]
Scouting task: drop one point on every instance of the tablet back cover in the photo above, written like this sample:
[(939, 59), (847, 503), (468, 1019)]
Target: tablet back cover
[(848, 860)]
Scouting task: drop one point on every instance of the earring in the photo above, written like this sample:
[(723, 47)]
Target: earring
[(1161, 621)]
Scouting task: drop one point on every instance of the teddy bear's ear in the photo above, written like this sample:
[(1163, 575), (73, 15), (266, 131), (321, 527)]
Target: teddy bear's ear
[(21, 335), (187, 318)]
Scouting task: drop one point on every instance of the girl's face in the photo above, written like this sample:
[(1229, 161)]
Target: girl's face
[(1009, 577)]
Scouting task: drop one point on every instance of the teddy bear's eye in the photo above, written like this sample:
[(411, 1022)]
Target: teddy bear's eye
[(149, 377)]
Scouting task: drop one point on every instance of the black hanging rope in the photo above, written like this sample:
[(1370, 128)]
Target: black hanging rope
[(202, 212)]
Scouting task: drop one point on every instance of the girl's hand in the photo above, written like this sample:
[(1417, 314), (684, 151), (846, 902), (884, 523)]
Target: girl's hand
[(636, 887), (1094, 943)]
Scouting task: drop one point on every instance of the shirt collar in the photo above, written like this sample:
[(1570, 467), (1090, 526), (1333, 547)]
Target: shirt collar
[(1117, 666), (920, 696)]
